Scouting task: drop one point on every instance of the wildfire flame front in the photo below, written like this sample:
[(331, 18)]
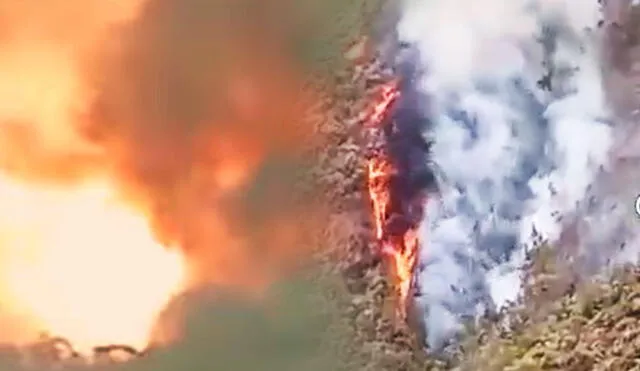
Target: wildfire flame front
[(400, 248)]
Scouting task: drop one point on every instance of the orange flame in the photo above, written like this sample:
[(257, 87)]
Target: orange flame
[(379, 172), (76, 260), (128, 139), (401, 251), (70, 262), (389, 93)]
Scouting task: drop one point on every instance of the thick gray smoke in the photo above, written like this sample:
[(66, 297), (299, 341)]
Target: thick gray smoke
[(518, 152)]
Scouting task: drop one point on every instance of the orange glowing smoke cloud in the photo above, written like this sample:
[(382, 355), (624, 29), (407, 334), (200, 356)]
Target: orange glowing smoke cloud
[(401, 251), (134, 142)]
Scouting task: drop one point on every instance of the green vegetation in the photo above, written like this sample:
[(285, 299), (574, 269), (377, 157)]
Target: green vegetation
[(338, 319), (563, 323), (329, 27)]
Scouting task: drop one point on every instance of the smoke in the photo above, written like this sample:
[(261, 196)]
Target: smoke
[(199, 120), (199, 117), (194, 109), (523, 148), (293, 327)]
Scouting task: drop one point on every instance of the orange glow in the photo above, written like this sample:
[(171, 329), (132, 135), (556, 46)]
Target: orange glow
[(403, 257), (129, 140), (379, 171), (75, 259), (78, 262), (401, 251), (389, 93)]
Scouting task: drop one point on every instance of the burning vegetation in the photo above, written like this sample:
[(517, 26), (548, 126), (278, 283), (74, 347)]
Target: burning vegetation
[(152, 150), (394, 231)]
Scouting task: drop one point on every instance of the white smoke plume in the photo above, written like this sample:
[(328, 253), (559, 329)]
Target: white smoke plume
[(515, 156)]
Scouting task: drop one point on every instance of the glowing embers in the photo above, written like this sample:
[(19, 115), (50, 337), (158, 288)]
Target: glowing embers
[(398, 245)]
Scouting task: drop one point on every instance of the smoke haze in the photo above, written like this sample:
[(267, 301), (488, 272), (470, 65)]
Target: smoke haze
[(190, 104), (517, 157), (191, 113), (193, 110)]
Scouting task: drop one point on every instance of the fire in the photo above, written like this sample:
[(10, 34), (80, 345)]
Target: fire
[(80, 263), (388, 95), (131, 136), (76, 259), (379, 172), (400, 247)]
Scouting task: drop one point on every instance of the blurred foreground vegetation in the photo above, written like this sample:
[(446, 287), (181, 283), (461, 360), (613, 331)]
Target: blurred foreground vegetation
[(303, 324), (295, 326)]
